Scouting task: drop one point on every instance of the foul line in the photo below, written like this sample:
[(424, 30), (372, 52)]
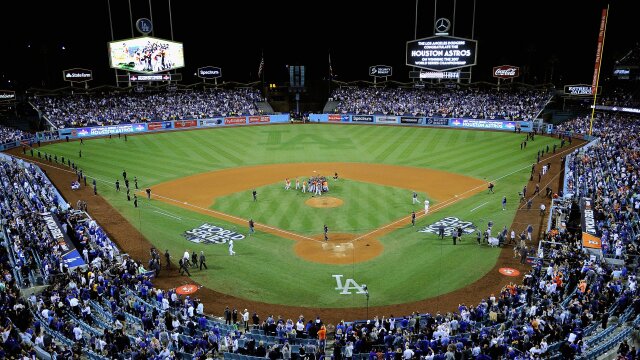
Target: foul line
[(169, 215), (479, 206)]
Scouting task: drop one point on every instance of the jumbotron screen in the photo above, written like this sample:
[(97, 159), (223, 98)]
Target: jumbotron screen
[(146, 55)]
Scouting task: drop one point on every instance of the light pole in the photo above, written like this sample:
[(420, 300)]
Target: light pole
[(366, 293)]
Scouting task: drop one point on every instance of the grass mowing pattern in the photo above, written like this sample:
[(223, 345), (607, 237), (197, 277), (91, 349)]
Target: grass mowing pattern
[(366, 207), (414, 266)]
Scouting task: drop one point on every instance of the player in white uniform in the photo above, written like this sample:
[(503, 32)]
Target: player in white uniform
[(426, 206), (231, 252)]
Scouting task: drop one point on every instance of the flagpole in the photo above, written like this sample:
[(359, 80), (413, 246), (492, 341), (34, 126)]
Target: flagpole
[(330, 75)]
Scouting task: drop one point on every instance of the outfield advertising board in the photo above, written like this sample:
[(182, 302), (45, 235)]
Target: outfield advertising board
[(159, 125), (235, 120), (387, 119), (437, 121), (483, 124), (259, 119), (185, 124), (410, 120), (334, 118), (362, 118), (109, 130), (211, 122)]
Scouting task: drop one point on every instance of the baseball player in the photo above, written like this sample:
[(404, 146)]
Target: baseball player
[(304, 186), (415, 198), (231, 252), (287, 184), (426, 206), (326, 230), (297, 184), (413, 218), (318, 188)]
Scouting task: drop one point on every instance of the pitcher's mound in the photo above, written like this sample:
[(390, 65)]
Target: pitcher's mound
[(324, 202), (340, 249)]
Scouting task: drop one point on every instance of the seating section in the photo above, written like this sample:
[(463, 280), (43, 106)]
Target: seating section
[(480, 103), (115, 108)]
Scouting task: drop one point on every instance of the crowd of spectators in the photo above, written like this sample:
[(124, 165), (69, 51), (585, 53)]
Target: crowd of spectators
[(608, 172), (9, 134), (116, 108), (516, 104)]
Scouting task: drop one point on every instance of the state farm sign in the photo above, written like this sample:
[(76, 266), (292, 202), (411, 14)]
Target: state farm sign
[(506, 72)]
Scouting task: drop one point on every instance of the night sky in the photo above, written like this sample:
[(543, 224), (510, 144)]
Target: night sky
[(232, 34)]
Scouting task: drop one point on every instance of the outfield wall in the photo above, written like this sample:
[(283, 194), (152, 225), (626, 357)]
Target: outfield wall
[(154, 126), (460, 123)]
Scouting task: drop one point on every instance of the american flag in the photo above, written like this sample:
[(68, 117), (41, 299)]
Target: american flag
[(261, 66)]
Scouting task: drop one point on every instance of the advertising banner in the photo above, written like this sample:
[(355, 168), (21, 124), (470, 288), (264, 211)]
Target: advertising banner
[(386, 119), (346, 118), (209, 72), (108, 130), (178, 124), (335, 117), (590, 238), (70, 254), (211, 122), (410, 120), (235, 120), (380, 71), (483, 124), (362, 118), (259, 119), (159, 125), (77, 75), (7, 95), (506, 71), (437, 122)]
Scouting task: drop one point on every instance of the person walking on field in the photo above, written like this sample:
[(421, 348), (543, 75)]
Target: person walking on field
[(255, 195), (413, 218), (231, 252), (426, 206), (251, 227), (504, 203), (326, 230), (203, 261), (415, 198)]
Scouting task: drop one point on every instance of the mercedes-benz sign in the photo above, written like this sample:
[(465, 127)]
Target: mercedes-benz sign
[(209, 72), (380, 70), (77, 75), (441, 53)]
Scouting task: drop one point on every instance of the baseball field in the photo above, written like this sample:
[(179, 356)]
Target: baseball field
[(202, 182)]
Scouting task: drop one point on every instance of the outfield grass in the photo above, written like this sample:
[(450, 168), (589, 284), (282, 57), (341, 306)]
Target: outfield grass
[(366, 207), (414, 265)]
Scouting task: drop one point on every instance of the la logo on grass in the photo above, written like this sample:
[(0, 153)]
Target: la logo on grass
[(348, 286)]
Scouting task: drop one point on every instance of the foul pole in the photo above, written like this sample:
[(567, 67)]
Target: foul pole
[(596, 71)]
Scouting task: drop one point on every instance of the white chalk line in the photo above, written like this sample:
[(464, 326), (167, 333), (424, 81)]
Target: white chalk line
[(479, 206)]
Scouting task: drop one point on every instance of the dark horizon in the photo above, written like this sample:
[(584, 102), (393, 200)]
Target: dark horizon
[(551, 42)]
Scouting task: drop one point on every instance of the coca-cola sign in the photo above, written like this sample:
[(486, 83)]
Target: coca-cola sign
[(506, 72)]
